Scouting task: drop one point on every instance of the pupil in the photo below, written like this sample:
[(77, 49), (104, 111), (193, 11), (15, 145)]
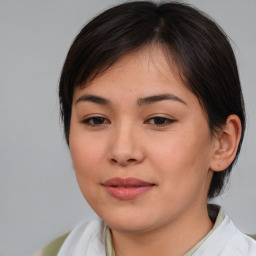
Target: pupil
[(159, 120), (98, 120)]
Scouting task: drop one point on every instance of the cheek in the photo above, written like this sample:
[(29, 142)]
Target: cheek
[(182, 154), (85, 164), (170, 149), (86, 153), (182, 166)]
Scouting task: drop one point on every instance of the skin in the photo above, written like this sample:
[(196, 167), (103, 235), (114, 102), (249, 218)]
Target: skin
[(174, 152)]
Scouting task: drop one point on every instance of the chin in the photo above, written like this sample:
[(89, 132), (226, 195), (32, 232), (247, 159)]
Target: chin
[(130, 224), (126, 228)]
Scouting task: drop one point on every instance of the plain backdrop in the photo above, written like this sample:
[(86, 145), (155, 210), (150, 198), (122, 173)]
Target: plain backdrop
[(39, 197)]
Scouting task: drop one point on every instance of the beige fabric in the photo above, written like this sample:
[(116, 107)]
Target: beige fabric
[(39, 253), (219, 219)]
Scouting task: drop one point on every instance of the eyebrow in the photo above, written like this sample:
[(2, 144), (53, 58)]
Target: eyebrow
[(141, 101), (160, 97), (94, 99)]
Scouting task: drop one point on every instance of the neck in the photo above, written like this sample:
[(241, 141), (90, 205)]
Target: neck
[(175, 238)]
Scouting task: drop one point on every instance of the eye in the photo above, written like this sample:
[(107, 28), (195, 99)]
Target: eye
[(96, 121), (159, 121)]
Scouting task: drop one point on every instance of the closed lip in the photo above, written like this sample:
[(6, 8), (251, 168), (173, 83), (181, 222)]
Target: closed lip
[(127, 188), (126, 182)]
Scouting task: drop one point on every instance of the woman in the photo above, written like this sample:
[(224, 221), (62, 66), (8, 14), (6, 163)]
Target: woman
[(154, 118)]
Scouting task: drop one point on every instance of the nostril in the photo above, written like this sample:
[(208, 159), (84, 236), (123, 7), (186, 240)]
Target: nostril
[(113, 160), (131, 160)]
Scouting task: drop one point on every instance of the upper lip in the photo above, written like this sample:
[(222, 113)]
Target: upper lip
[(127, 182)]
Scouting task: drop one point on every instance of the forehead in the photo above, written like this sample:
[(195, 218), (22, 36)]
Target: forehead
[(141, 70)]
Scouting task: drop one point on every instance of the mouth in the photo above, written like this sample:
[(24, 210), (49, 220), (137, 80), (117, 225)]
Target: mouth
[(128, 188)]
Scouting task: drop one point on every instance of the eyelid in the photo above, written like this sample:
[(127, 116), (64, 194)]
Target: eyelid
[(162, 120), (168, 120), (86, 121)]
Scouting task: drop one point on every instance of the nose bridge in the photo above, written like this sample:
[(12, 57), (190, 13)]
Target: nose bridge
[(126, 147)]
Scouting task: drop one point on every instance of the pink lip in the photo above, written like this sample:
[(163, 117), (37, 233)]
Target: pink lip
[(126, 189)]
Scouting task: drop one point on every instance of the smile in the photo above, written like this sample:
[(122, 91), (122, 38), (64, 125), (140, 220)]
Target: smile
[(127, 189)]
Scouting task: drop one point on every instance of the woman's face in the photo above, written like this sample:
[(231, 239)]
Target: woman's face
[(140, 144)]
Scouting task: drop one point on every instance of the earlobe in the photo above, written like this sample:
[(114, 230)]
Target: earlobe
[(227, 142)]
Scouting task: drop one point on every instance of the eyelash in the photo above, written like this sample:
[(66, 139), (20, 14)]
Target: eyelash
[(102, 121), (88, 121), (166, 121)]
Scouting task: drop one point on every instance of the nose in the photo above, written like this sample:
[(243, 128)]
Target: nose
[(126, 147)]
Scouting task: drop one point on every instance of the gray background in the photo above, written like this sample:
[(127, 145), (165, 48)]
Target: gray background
[(39, 198)]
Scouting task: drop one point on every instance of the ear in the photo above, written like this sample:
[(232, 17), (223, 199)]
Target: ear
[(227, 140)]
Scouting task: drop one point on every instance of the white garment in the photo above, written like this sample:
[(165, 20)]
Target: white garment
[(88, 239)]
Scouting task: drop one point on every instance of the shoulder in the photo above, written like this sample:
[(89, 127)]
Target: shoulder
[(236, 242), (226, 239), (241, 245), (86, 229)]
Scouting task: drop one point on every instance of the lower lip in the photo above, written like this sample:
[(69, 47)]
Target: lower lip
[(127, 193)]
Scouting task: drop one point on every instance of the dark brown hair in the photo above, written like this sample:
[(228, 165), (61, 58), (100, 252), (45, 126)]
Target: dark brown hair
[(195, 43)]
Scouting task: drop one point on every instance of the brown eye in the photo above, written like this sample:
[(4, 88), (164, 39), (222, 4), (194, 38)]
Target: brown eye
[(96, 121), (160, 121)]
